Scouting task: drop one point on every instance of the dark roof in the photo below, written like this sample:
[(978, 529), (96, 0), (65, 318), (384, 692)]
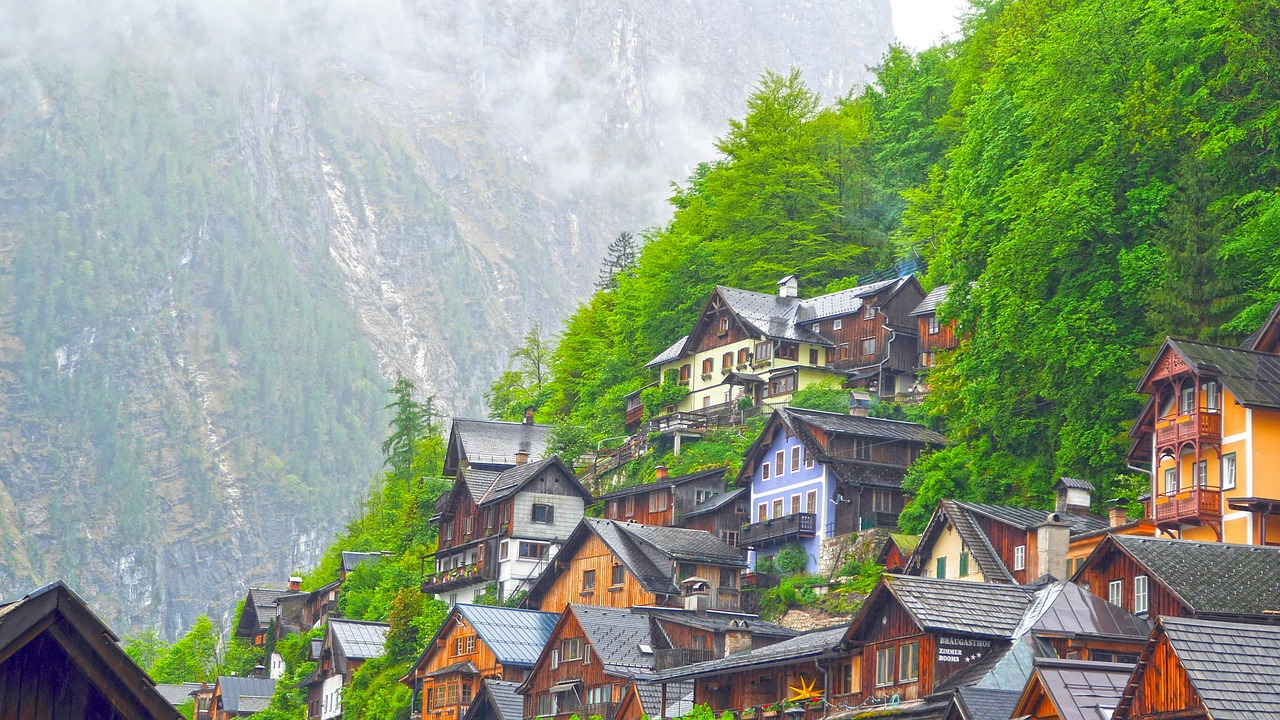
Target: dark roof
[(1073, 483), (717, 621), (1070, 610), (668, 481), (1252, 377), (717, 501), (501, 697), (616, 635), (865, 426), (930, 303), (1251, 342), (1235, 668), (511, 480), (1028, 518), (176, 694), (234, 688), (980, 549), (679, 699), (987, 609), (351, 559), (672, 352), (263, 601), (987, 704), (497, 442), (477, 481), (359, 639), (515, 636), (1212, 578), (462, 666), (810, 644), (1083, 690), (843, 302), (647, 550)]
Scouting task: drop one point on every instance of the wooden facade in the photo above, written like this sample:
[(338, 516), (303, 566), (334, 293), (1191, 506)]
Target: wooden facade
[(1109, 563), (595, 557), (452, 669), (762, 690), (1163, 689), (879, 645), (655, 506), (572, 665)]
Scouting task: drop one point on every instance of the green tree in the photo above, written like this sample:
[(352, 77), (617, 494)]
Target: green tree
[(193, 658), (827, 396), (619, 259), (410, 423)]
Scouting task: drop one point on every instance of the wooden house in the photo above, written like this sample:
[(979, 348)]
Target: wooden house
[(496, 700), (347, 645), (606, 562), (1205, 670), (299, 612), (935, 336), (696, 501), (474, 644), (59, 661), (764, 347), (494, 445), (1180, 578), (1006, 544), (895, 552), (975, 703), (203, 702), (1072, 690), (1211, 413), (815, 475), (240, 696), (501, 528), (257, 622)]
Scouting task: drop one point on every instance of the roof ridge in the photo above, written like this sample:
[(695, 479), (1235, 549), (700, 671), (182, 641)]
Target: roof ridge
[(1233, 348)]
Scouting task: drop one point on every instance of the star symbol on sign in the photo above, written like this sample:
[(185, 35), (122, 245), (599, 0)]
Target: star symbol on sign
[(805, 691)]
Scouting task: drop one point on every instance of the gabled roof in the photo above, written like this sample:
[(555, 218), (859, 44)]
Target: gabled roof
[(957, 606), (844, 302), (811, 644), (981, 551), (669, 481), (177, 693), (1079, 690), (717, 501), (1252, 377), (930, 303), (1234, 667), (679, 699), (769, 315), (616, 636), (1211, 578), (717, 621), (499, 698), (1068, 610), (974, 703), (515, 636), (235, 689), (672, 352), (1028, 518), (494, 442), (262, 602), (510, 481), (1266, 336), (858, 426), (351, 559), (359, 639)]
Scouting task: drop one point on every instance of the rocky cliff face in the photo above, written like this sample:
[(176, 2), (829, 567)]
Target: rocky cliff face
[(222, 226)]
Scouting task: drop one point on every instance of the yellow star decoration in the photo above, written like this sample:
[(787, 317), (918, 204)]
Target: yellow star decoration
[(806, 690)]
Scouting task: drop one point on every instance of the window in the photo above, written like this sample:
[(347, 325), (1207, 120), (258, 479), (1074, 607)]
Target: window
[(764, 350), (811, 501), (933, 325), (502, 550), (964, 565), (600, 695), (701, 496), (881, 501), (586, 654), (764, 471), (816, 327), (1020, 557), (742, 356), (1141, 601), (782, 385), (570, 649), (909, 662), (762, 513), (779, 462), (795, 503), (1115, 592), (658, 500), (466, 693), (588, 580), (464, 645), (532, 551), (884, 666), (545, 707), (942, 568), (869, 346), (706, 401), (612, 510), (684, 571), (631, 505), (724, 325), (1229, 471), (1170, 480), (543, 513), (788, 351), (617, 575), (448, 531), (795, 458), (853, 675), (730, 536), (1212, 398), (727, 361), (685, 371), (813, 356), (707, 366), (808, 459), (488, 519), (837, 324), (1202, 473), (728, 578), (777, 508), (469, 523), (1187, 399)]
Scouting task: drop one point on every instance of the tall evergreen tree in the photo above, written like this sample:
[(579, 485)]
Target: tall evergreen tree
[(411, 422), (620, 258)]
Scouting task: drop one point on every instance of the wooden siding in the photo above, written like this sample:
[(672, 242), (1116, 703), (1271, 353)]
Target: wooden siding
[(1112, 564), (944, 339), (1005, 538), (1164, 688), (42, 682), (441, 654), (590, 673), (593, 555), (711, 337), (616, 509), (751, 688)]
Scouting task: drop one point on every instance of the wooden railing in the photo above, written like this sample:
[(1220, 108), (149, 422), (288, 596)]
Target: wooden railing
[(1198, 425), (1193, 504), (665, 659), (779, 530), (454, 578)]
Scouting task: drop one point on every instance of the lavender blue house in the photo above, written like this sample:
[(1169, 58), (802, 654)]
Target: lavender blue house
[(815, 475)]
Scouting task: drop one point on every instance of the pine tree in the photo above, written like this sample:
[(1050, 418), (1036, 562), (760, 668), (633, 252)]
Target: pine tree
[(411, 422), (619, 260)]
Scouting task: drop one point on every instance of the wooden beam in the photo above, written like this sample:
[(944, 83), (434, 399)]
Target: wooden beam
[(110, 684), (16, 641)]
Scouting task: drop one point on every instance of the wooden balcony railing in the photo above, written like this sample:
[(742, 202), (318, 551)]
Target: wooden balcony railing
[(606, 710), (1188, 506), (455, 578), (778, 531), (667, 659), (1203, 425)]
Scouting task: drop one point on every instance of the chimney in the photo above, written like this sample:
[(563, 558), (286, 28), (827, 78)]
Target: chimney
[(295, 583), (1074, 496), (661, 472), (737, 638), (528, 415), (1053, 537), (1119, 514), (259, 672), (522, 455), (789, 287), (859, 403), (695, 603)]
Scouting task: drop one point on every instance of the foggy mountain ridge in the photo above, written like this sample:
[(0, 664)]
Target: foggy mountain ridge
[(223, 226)]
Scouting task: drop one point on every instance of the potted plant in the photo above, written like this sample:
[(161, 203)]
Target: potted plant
[(748, 713)]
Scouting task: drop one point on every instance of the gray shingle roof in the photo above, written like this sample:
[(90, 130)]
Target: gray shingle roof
[(647, 551), (1235, 667), (669, 481), (512, 479), (843, 302), (351, 559), (689, 545), (974, 539), (987, 704), (1028, 518), (501, 697), (671, 353), (1212, 578), (930, 303), (264, 603), (810, 644), (864, 426), (515, 636), (233, 688), (359, 639), (497, 442), (254, 703), (176, 694), (615, 636), (987, 609), (679, 699), (717, 501), (1074, 483), (1253, 377), (1083, 690), (477, 481), (717, 621), (771, 315)]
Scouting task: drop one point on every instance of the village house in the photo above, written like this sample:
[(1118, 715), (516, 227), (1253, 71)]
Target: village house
[(240, 696), (1205, 670), (496, 700), (494, 445), (622, 565), (58, 661), (696, 501), (1179, 578), (896, 550), (1212, 414), (500, 528), (936, 337), (763, 348), (347, 645), (1072, 690), (257, 617), (474, 644), (1007, 544), (815, 475)]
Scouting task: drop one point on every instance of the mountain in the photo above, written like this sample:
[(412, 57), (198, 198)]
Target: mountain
[(225, 226)]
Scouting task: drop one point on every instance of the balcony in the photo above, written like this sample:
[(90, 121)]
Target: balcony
[(679, 657), (606, 710), (778, 531), (1202, 426), (460, 577), (1189, 507)]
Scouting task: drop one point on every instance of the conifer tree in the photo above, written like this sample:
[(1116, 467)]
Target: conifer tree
[(620, 259)]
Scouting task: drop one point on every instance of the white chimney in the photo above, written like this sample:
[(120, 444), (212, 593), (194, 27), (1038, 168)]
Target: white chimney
[(1053, 539), (789, 287)]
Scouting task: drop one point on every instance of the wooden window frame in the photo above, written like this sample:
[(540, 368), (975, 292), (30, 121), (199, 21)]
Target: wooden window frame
[(940, 570), (778, 506), (549, 514), (631, 505), (780, 462), (871, 349), (813, 356), (726, 361), (795, 458), (885, 661), (1141, 595), (708, 366), (1020, 557), (744, 356), (868, 312), (589, 580), (837, 324), (764, 471), (1171, 479), (617, 575), (762, 513), (963, 570), (795, 504), (909, 662)]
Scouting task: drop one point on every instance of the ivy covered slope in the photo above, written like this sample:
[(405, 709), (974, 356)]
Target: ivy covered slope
[(1086, 187)]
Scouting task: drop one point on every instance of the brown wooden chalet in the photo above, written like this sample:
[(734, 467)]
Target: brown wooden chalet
[(1181, 578), (476, 644), (606, 562), (59, 661), (696, 501), (347, 645), (240, 697), (896, 551), (936, 336), (502, 527), (494, 445), (257, 622), (1071, 690), (1205, 670)]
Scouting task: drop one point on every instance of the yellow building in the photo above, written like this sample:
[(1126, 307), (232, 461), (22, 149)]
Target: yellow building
[(765, 347), (1210, 434)]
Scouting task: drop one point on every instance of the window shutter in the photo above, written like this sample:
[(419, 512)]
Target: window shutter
[(551, 513)]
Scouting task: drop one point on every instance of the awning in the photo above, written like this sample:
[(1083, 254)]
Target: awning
[(566, 686), (1255, 504), (465, 666)]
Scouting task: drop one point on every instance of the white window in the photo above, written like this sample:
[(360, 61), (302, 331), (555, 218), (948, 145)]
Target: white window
[(1020, 557), (837, 324), (868, 312), (808, 459), (817, 327), (1115, 592), (764, 350), (1187, 400), (1140, 601), (1212, 399), (1170, 480), (1202, 473), (933, 325), (1229, 471)]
